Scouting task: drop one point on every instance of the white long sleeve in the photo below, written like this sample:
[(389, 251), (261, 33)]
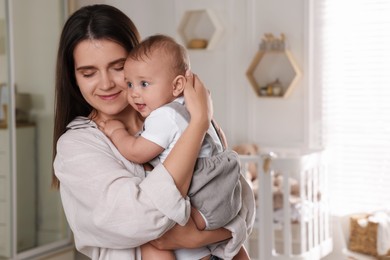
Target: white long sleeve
[(110, 206)]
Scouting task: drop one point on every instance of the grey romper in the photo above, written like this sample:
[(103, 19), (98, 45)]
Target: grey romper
[(215, 187)]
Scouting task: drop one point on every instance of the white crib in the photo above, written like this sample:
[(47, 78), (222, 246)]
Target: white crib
[(300, 228)]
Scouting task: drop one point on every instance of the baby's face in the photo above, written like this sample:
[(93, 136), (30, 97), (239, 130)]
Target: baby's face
[(149, 83)]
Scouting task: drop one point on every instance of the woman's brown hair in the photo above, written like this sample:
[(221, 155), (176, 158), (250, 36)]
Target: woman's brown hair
[(89, 22)]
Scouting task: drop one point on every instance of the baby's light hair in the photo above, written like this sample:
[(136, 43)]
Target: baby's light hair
[(175, 52)]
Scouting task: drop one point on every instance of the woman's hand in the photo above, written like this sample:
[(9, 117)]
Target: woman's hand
[(189, 236), (198, 100)]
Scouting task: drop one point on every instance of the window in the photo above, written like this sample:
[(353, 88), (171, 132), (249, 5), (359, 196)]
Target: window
[(350, 58)]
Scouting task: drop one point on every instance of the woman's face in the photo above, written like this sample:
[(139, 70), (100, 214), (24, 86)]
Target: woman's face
[(99, 75)]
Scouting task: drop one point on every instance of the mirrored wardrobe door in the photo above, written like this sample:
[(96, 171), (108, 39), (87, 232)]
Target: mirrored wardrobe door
[(33, 218), (5, 153)]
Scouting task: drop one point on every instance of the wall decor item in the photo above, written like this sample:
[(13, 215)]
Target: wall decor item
[(273, 71), (200, 29)]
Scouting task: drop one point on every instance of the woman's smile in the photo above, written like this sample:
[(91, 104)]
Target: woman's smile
[(110, 96)]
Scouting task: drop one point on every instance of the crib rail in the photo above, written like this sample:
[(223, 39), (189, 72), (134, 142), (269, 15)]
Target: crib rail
[(301, 232)]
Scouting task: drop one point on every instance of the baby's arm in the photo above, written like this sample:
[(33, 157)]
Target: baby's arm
[(198, 219), (135, 149)]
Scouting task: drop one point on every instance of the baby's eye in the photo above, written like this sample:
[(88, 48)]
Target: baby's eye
[(144, 84), (129, 84)]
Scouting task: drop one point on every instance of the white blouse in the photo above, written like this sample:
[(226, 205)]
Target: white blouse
[(112, 208)]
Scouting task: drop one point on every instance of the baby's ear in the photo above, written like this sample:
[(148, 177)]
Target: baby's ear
[(178, 85)]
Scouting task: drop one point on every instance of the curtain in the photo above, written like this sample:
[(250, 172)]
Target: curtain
[(351, 80)]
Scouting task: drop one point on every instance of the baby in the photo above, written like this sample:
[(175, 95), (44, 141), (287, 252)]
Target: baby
[(155, 76)]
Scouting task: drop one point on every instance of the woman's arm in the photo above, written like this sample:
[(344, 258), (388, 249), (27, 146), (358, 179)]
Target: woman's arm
[(181, 160), (189, 236), (107, 200)]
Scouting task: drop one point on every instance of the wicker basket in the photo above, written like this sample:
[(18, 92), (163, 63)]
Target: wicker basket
[(363, 239)]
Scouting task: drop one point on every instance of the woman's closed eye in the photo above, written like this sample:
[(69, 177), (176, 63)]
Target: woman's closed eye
[(88, 73), (118, 67)]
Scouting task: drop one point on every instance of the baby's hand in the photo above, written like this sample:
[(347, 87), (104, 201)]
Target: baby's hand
[(110, 126)]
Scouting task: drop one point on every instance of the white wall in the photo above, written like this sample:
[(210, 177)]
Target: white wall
[(281, 121), (243, 116)]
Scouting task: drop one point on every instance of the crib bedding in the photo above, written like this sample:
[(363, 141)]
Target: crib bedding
[(298, 206)]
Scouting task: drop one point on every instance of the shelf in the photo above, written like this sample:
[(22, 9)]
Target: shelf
[(200, 29), (273, 72)]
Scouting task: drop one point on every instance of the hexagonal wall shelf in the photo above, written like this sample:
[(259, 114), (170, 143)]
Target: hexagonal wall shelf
[(273, 71), (200, 29)]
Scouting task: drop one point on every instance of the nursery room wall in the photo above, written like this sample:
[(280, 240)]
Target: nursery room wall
[(269, 122)]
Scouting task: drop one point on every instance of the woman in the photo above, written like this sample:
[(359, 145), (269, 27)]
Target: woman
[(110, 206)]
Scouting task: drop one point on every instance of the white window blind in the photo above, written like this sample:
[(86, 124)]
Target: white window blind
[(351, 59)]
